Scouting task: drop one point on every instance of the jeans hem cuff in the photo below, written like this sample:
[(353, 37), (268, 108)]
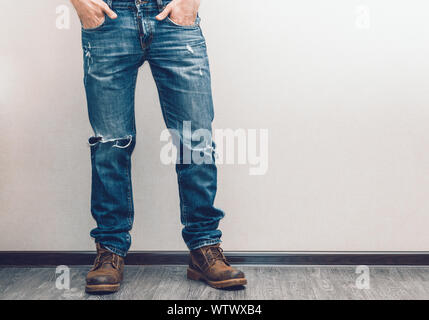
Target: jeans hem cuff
[(204, 243), (115, 251)]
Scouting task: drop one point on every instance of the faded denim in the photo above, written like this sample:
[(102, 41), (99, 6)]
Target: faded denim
[(113, 53)]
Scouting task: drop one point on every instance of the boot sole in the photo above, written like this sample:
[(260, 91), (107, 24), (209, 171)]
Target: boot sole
[(198, 276), (102, 288)]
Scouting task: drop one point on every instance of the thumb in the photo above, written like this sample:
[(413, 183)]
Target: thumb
[(109, 12), (164, 14)]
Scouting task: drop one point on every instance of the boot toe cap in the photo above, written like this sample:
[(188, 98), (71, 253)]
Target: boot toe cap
[(238, 274), (101, 279)]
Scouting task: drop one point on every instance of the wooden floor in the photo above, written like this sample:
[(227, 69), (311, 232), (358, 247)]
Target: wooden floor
[(265, 282)]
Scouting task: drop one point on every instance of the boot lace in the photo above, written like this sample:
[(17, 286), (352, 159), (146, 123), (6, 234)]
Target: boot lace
[(105, 257), (216, 254)]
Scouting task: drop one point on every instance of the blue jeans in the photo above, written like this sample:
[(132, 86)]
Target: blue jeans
[(113, 53)]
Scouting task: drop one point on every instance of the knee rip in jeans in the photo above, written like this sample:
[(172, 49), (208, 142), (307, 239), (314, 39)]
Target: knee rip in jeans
[(121, 143)]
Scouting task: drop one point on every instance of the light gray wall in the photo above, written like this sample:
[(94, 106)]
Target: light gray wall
[(345, 99)]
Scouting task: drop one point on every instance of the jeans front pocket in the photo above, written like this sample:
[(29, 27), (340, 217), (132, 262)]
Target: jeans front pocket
[(97, 27), (192, 26)]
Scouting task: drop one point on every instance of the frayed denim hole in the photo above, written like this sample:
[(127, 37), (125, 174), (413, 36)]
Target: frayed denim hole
[(94, 140), (123, 143)]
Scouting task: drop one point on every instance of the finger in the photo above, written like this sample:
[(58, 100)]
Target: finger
[(111, 14), (164, 14)]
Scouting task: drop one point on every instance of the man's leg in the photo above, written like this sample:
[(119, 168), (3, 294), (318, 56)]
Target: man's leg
[(179, 64), (112, 56)]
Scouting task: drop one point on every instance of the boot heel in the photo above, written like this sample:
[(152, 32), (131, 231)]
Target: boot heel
[(193, 275)]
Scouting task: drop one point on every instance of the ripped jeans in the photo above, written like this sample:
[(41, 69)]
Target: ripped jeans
[(177, 56)]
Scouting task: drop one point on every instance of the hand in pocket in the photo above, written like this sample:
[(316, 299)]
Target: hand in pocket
[(92, 12), (181, 12)]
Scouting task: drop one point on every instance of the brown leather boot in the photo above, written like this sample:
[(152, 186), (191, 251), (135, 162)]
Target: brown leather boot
[(107, 273), (209, 264)]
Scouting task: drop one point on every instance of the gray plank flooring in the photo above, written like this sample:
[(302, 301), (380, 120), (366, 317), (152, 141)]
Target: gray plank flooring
[(265, 282)]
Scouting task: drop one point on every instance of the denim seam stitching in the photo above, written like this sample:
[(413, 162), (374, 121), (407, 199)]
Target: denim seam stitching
[(164, 113), (129, 194), (182, 203), (134, 100), (135, 12)]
